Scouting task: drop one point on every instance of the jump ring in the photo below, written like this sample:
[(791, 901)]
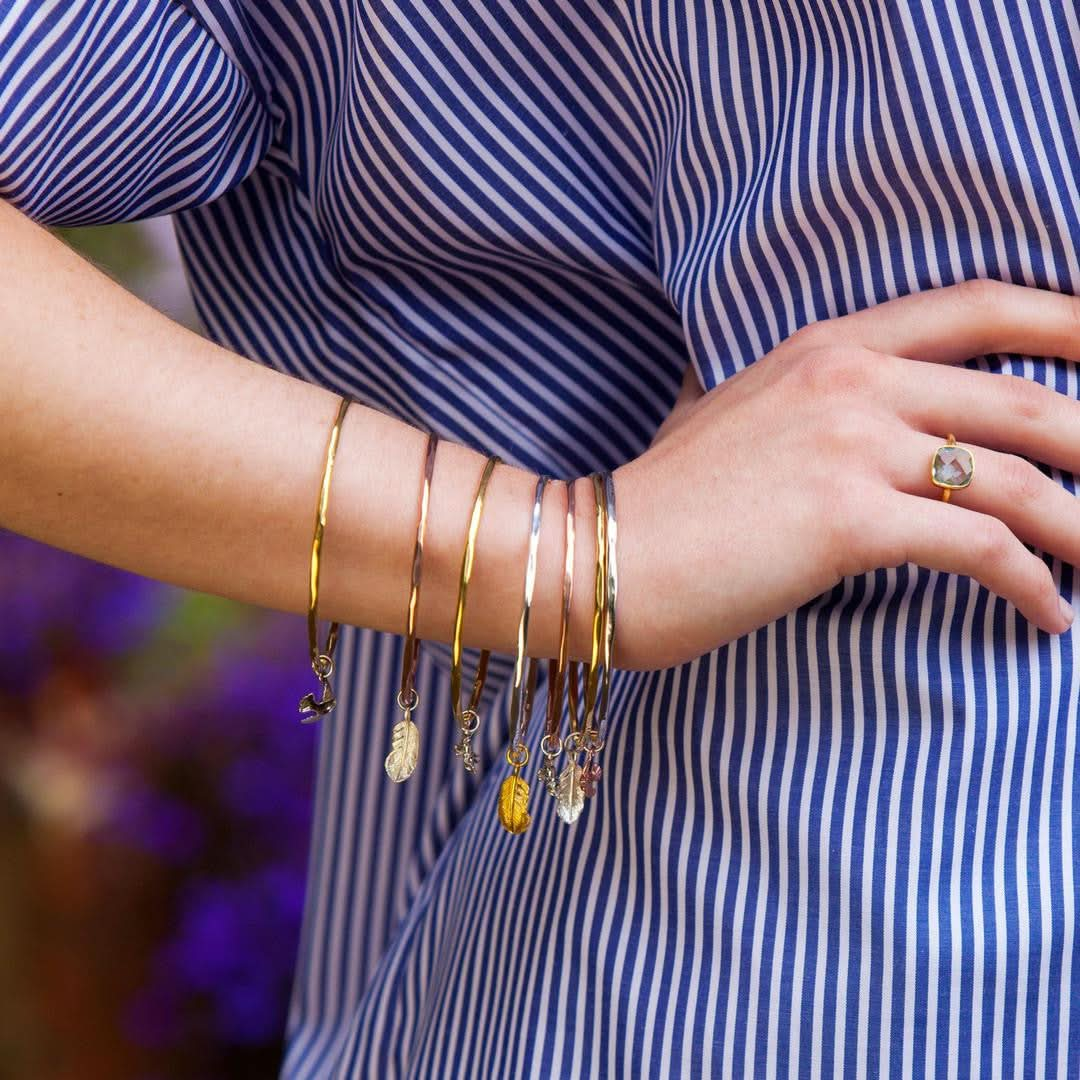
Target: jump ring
[(550, 745), (470, 721)]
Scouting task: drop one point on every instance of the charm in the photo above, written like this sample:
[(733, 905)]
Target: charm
[(311, 707), (514, 804), (404, 751), (570, 799), (590, 773), (546, 775), (470, 721), (464, 750)]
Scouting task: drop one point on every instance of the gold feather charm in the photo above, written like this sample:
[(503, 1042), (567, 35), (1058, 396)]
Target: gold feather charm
[(404, 751), (514, 804), (570, 797)]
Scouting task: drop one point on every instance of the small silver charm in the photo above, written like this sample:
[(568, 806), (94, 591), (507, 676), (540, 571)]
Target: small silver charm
[(464, 750), (470, 721), (546, 775)]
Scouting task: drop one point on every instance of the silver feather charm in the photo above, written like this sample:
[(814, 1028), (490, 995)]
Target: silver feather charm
[(570, 800), (404, 751)]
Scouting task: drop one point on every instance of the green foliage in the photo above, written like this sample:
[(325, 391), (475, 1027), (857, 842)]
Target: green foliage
[(121, 251)]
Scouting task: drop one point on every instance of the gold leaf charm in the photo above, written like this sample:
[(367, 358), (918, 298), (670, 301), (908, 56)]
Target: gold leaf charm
[(404, 751), (514, 804), (570, 799)]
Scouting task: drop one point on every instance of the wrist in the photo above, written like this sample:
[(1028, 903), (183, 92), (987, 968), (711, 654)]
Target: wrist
[(636, 647)]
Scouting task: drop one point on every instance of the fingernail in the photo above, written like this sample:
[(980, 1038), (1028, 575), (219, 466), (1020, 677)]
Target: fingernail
[(1067, 612)]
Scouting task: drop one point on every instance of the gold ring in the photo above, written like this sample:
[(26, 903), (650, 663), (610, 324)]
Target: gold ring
[(952, 467)]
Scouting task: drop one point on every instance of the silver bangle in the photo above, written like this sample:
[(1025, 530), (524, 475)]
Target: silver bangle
[(609, 610), (521, 694)]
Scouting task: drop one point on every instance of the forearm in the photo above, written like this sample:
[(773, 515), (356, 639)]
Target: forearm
[(133, 441)]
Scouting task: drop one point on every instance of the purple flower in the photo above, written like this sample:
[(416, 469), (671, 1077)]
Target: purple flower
[(157, 824)]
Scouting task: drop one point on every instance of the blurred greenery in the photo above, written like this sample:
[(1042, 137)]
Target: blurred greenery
[(122, 251)]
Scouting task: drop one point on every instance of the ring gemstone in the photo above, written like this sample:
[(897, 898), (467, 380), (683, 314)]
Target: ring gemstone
[(953, 467)]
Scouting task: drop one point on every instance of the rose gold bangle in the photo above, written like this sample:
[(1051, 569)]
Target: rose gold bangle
[(551, 743)]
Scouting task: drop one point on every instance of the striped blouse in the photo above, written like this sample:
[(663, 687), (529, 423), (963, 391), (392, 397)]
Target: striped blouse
[(843, 844)]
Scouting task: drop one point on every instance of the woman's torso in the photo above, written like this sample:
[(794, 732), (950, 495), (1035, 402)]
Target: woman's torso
[(843, 844)]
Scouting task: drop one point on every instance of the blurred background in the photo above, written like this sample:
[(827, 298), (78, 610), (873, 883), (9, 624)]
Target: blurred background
[(154, 798)]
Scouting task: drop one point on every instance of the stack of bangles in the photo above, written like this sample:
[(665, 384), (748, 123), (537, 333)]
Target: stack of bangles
[(586, 692)]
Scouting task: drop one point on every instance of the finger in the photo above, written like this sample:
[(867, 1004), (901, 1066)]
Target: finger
[(994, 409), (955, 322), (1037, 509), (956, 540)]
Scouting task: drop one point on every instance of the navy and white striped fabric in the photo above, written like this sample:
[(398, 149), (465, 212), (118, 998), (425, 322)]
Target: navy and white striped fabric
[(842, 845)]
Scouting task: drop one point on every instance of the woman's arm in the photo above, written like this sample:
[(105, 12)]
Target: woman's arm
[(134, 441), (131, 440)]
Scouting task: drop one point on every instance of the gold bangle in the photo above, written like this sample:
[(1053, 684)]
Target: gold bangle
[(405, 738), (514, 793), (600, 608), (322, 663), (591, 772), (551, 744), (468, 719)]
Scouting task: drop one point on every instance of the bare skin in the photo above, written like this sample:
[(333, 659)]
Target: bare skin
[(133, 441)]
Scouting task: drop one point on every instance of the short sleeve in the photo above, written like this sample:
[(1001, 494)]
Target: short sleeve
[(115, 110)]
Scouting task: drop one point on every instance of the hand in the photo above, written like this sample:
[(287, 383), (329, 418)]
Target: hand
[(813, 464)]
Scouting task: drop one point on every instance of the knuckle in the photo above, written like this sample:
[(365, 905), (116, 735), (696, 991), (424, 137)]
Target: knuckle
[(992, 543), (984, 300), (1023, 481), (1038, 581), (1072, 315), (810, 335), (1025, 398), (846, 431), (982, 294), (834, 369)]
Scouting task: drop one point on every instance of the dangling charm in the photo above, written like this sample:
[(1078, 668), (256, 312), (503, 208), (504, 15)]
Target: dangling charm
[(590, 772), (404, 743), (470, 721), (514, 794), (571, 794), (312, 708), (547, 773)]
